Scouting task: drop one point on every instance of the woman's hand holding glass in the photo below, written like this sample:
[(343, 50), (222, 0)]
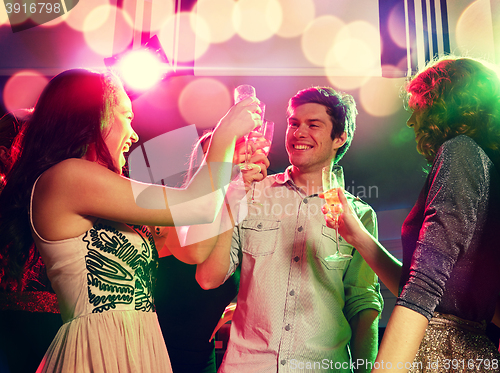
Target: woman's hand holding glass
[(241, 119), (256, 168), (333, 184), (348, 224)]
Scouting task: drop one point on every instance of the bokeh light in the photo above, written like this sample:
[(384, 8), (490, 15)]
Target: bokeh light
[(178, 37), (356, 50), (346, 83), (318, 38), (78, 15), (140, 69), (4, 18), (381, 96), (216, 14), (297, 14), (257, 20), (204, 102), (396, 25), (161, 11), (22, 89), (473, 32), (107, 30), (402, 137)]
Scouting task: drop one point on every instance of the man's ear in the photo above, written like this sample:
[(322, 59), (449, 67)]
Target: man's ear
[(340, 141)]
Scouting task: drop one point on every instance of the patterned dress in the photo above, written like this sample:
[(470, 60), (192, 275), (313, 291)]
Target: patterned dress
[(104, 280)]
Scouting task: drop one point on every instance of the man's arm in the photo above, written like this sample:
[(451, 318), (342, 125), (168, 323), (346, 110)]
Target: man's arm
[(364, 302), (364, 339)]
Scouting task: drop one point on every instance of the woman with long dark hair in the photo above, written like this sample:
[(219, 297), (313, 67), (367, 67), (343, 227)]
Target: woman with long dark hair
[(449, 282), (66, 195)]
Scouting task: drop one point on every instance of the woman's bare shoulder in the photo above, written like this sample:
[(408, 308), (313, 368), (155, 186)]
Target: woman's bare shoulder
[(73, 170)]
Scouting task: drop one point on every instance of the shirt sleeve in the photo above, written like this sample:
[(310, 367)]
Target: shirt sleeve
[(235, 253), (455, 186), (362, 290)]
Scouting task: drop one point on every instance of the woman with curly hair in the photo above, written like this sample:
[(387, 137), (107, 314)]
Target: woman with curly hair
[(66, 194), (448, 283)]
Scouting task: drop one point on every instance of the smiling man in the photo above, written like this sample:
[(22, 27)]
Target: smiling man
[(297, 311)]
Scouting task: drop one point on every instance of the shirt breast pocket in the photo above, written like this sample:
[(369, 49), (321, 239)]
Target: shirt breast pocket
[(328, 247), (260, 236)]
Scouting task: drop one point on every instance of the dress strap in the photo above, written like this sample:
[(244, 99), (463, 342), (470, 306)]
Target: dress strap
[(31, 211)]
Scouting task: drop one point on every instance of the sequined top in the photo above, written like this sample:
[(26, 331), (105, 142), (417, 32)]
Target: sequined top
[(451, 257)]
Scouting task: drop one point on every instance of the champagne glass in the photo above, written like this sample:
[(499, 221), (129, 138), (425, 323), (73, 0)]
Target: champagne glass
[(262, 134), (240, 93), (332, 181)]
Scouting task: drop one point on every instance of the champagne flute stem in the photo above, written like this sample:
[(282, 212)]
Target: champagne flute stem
[(246, 152), (337, 239)]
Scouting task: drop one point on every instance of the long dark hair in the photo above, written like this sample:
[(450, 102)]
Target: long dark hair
[(457, 96), (70, 115), (10, 125)]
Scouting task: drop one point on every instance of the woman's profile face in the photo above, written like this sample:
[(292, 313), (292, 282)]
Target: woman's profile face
[(415, 122), (120, 134)]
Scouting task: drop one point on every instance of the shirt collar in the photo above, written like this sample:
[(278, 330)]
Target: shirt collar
[(286, 176)]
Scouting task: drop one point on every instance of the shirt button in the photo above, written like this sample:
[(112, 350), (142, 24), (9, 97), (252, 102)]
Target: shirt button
[(300, 229), (287, 328), (259, 226), (292, 293), (283, 362), (296, 259), (306, 200)]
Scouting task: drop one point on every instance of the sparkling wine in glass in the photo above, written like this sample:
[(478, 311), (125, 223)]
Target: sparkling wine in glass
[(333, 181), (240, 93), (265, 134)]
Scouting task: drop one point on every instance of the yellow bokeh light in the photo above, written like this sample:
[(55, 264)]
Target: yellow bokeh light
[(346, 83), (319, 37), (381, 96), (77, 16), (297, 14), (107, 35), (22, 89), (158, 13), (356, 50), (4, 18), (257, 20), (178, 37), (204, 101), (216, 14), (474, 36), (161, 12)]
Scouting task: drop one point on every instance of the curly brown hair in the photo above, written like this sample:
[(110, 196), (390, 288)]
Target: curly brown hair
[(456, 96)]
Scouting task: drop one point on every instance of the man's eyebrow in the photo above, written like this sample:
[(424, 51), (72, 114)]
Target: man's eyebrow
[(308, 120)]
